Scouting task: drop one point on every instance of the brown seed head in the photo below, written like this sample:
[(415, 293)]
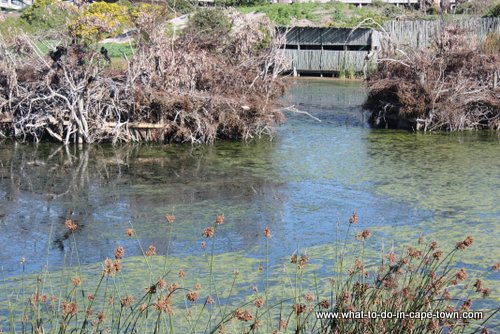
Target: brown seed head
[(182, 274), (71, 225), (309, 297), (299, 308), (174, 286), (169, 218), (219, 220), (414, 253), (466, 243), (437, 255), (293, 258), (163, 305), (127, 301), (461, 275), (496, 267), (364, 235), (76, 281), (243, 315), (68, 307), (391, 256), (110, 267), (354, 218), (267, 233), (161, 284), (259, 302), (192, 296), (151, 250), (130, 232), (210, 300), (119, 253), (479, 285), (324, 304), (433, 245), (467, 305), (208, 232), (100, 316)]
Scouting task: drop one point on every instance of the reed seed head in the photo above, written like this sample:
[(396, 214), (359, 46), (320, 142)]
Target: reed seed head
[(76, 281), (259, 302), (243, 315), (267, 233), (466, 243), (354, 218), (170, 218), (219, 220), (151, 250), (324, 304), (127, 301), (68, 307), (208, 232), (71, 225), (119, 253), (162, 304), (192, 296), (299, 308), (174, 286), (364, 235)]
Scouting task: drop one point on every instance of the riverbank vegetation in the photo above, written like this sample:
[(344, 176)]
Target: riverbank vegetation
[(166, 299), (451, 85)]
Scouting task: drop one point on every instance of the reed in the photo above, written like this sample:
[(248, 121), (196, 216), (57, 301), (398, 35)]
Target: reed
[(423, 278)]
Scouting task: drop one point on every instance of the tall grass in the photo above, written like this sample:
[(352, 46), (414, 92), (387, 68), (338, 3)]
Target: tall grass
[(423, 278)]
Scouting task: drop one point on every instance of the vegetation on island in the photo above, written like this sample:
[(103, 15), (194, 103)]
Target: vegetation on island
[(218, 78), (421, 279), (452, 85)]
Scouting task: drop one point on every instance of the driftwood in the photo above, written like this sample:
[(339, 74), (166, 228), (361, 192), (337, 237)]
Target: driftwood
[(448, 86), (173, 89)]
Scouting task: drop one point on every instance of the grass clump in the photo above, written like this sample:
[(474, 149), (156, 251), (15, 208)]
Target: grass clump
[(422, 278)]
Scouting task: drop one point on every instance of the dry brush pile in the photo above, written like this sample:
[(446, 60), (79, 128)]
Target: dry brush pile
[(174, 88), (452, 85)]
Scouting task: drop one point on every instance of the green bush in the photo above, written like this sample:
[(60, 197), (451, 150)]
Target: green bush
[(493, 10), (45, 14), (208, 22), (464, 8)]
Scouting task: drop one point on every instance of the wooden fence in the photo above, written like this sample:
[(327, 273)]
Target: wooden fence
[(419, 33)]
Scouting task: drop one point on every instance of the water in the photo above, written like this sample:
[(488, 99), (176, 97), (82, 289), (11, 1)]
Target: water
[(313, 174)]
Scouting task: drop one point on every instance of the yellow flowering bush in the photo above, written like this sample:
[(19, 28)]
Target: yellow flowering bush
[(99, 20)]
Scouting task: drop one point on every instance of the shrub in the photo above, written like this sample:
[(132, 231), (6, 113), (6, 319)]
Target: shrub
[(206, 22), (45, 14), (99, 20), (493, 10)]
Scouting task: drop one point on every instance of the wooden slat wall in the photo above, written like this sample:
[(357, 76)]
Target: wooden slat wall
[(326, 61), (420, 33)]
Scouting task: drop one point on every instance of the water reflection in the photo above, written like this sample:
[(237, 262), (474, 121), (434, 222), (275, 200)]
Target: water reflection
[(106, 189)]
